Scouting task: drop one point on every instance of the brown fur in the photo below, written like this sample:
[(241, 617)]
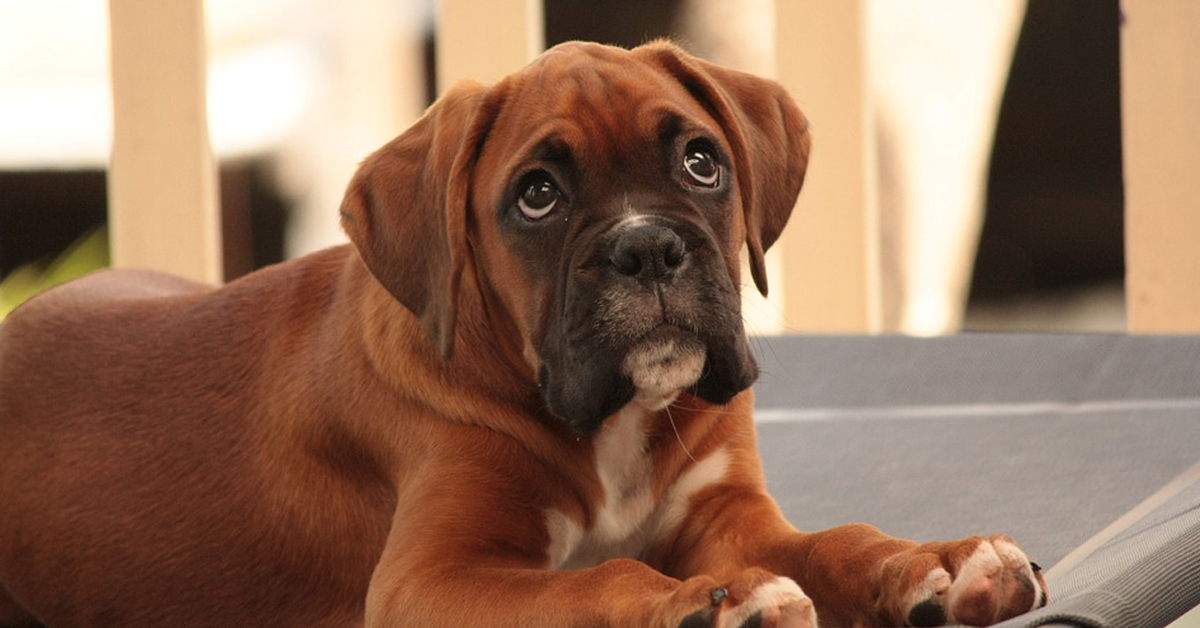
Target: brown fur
[(358, 437)]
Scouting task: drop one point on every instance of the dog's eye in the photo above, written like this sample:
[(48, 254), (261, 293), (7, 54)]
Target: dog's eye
[(538, 198), (701, 167)]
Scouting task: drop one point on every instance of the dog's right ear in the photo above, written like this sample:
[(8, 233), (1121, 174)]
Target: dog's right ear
[(405, 210), (767, 132)]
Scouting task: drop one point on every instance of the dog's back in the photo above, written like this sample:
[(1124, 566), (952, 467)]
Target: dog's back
[(65, 355), (125, 387)]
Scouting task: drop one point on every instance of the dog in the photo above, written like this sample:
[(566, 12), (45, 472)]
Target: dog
[(519, 397)]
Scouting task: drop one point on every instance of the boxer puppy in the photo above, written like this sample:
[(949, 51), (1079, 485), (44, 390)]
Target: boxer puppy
[(520, 399)]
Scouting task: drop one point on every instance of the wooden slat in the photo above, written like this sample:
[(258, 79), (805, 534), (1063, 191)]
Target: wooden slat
[(830, 250), (485, 40), (1160, 101), (162, 180), (374, 91)]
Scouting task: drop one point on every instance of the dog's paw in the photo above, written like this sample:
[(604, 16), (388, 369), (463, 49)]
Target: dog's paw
[(976, 581), (754, 599)]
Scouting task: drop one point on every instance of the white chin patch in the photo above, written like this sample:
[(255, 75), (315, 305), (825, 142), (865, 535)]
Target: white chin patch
[(663, 367)]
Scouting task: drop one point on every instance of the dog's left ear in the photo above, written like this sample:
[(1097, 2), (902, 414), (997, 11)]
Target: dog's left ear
[(767, 133), (406, 208)]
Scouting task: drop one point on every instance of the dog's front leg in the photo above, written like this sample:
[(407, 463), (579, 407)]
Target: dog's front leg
[(619, 593), (467, 557), (856, 574), (870, 578)]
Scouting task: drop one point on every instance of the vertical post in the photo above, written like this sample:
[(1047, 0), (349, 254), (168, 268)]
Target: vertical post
[(376, 89), (162, 185), (1160, 98), (485, 40), (830, 250)]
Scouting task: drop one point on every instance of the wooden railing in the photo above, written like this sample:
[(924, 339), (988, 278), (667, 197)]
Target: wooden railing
[(163, 211)]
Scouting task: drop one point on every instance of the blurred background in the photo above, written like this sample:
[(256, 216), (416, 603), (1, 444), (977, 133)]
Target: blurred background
[(997, 125)]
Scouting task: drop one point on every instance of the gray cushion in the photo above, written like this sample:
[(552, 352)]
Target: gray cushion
[(1050, 438)]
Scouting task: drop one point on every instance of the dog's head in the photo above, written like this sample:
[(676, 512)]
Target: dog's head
[(602, 197)]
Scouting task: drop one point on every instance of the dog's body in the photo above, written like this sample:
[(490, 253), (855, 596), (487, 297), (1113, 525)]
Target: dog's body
[(520, 399)]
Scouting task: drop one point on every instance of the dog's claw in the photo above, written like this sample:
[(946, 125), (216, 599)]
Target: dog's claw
[(754, 599), (926, 614), (703, 618)]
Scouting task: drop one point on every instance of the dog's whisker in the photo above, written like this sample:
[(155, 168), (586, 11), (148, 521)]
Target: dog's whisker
[(679, 438)]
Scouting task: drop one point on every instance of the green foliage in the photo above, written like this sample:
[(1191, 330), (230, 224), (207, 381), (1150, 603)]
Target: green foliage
[(87, 254)]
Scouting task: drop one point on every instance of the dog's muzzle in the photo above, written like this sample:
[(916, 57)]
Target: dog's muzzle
[(670, 360), (652, 312)]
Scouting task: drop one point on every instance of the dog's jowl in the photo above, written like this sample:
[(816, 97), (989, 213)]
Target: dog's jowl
[(520, 397)]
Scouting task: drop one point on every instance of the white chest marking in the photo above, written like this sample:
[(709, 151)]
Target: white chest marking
[(630, 517)]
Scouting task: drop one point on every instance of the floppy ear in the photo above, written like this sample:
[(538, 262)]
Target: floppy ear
[(767, 134), (406, 207)]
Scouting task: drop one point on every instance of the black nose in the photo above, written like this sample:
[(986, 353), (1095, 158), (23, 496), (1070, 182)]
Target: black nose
[(650, 252)]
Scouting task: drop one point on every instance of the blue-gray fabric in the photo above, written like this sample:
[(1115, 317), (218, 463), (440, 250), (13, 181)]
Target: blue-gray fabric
[(1145, 577), (1049, 438)]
